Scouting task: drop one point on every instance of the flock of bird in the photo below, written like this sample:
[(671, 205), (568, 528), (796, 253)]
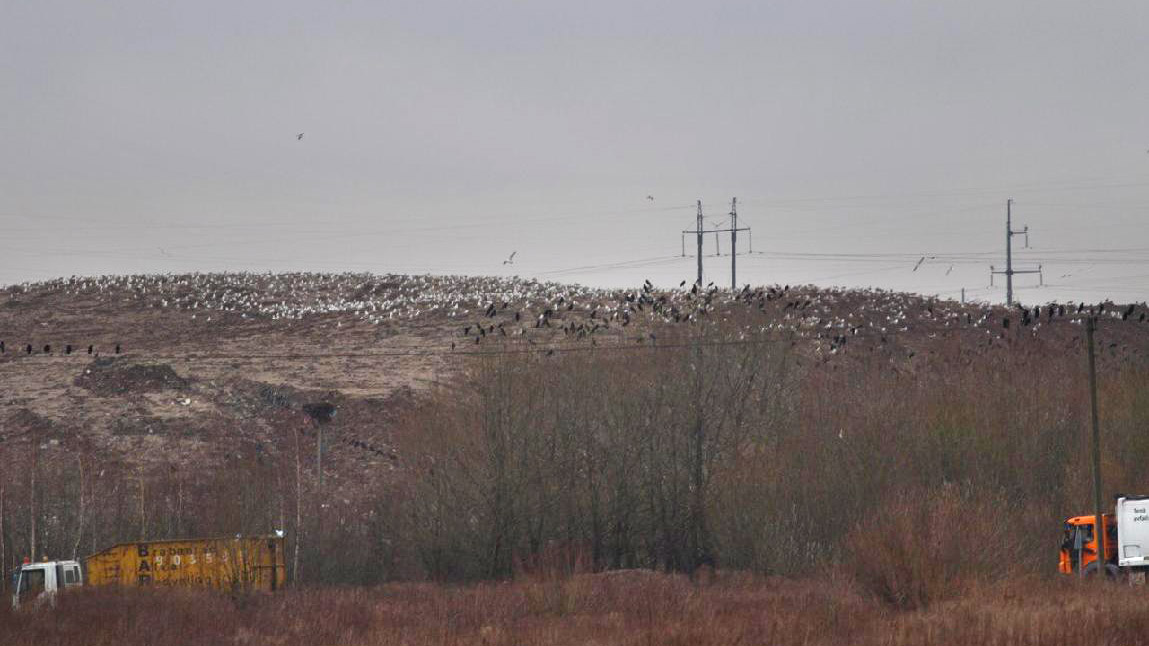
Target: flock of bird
[(294, 296), (494, 308), (66, 349)]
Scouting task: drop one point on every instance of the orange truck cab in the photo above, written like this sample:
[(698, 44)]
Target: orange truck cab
[(1079, 544), (1126, 539)]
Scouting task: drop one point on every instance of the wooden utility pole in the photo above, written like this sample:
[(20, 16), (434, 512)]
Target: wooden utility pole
[(1098, 527)]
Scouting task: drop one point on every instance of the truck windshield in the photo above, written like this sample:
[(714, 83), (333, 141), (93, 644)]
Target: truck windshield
[(1073, 532), (31, 583)]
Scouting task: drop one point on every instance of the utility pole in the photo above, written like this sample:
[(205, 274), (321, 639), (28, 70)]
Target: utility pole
[(1099, 526), (699, 230), (734, 244), (1009, 270)]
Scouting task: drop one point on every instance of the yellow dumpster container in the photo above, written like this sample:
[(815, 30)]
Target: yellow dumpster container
[(233, 564)]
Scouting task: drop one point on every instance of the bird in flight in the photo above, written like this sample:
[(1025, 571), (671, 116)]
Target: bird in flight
[(650, 197), (511, 259), (299, 137), (923, 259)]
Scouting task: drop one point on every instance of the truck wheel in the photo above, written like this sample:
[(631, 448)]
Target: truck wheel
[(1111, 571)]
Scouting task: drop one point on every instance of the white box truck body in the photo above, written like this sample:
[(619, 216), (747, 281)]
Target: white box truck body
[(1132, 531)]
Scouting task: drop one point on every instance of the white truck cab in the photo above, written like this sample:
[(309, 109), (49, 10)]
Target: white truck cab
[(35, 583)]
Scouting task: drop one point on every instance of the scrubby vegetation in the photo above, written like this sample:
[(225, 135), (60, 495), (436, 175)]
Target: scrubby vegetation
[(625, 607)]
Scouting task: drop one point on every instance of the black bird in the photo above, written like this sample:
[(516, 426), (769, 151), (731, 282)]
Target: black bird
[(28, 348), (117, 348), (90, 348), (1, 347), (1128, 313), (68, 349), (682, 284), (47, 349)]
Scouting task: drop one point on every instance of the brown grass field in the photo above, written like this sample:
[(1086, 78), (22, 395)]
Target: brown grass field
[(624, 607)]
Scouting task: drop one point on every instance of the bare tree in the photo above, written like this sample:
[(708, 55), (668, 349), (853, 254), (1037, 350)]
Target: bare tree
[(298, 538), (81, 513)]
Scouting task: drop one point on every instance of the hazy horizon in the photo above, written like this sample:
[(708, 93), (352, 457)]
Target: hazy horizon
[(858, 137)]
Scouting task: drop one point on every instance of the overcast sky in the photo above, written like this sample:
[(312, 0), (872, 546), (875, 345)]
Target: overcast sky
[(858, 136)]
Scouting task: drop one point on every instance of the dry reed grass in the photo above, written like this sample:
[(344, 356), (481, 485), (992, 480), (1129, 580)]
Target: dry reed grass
[(622, 607)]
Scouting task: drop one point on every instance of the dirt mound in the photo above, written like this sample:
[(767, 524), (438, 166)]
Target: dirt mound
[(117, 376), (23, 421)]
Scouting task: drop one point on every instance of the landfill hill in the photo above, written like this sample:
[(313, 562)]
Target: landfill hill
[(155, 371)]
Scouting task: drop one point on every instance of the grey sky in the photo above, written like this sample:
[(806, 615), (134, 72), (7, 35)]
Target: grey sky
[(440, 137)]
